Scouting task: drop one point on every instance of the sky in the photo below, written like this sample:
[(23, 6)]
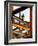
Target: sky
[(26, 13)]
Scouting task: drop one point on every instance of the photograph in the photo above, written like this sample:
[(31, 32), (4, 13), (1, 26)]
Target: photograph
[(20, 20)]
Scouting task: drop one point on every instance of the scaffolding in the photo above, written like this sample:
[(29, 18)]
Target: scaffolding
[(25, 26)]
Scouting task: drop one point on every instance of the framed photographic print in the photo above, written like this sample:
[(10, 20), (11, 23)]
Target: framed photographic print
[(20, 22)]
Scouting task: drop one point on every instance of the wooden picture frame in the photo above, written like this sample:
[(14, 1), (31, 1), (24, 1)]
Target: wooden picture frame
[(19, 3)]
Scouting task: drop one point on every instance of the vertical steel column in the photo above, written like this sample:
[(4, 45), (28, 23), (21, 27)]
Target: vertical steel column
[(30, 31), (31, 21), (19, 18)]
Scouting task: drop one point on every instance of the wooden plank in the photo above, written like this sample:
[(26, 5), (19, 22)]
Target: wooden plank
[(19, 19), (18, 10), (21, 26)]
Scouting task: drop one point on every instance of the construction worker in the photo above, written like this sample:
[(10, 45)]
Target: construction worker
[(23, 17)]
